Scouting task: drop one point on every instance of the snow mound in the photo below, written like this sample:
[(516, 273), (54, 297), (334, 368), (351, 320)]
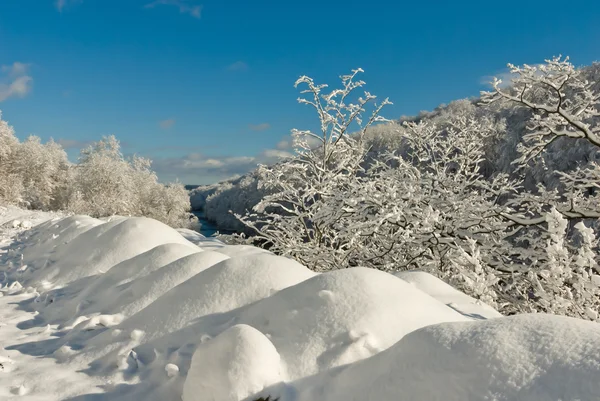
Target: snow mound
[(103, 294), (525, 357), (135, 295), (342, 316), (99, 248), (226, 286), (238, 363), (448, 295)]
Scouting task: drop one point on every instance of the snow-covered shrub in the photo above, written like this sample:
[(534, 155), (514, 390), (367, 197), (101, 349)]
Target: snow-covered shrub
[(295, 217), (106, 183), (437, 201), (43, 171), (10, 183), (32, 174)]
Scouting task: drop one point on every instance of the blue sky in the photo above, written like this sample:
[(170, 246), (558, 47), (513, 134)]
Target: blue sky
[(205, 88)]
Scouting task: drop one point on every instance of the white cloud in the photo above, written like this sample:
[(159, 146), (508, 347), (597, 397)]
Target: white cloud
[(237, 66), (183, 5), (166, 124), (16, 69), (62, 4), (284, 144), (275, 154), (16, 81), (259, 127), (196, 167)]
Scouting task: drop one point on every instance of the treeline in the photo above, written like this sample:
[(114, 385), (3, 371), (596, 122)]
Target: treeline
[(103, 182)]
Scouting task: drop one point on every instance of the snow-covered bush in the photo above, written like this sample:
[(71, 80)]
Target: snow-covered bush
[(43, 169), (295, 218), (32, 174), (437, 200), (106, 183), (10, 183)]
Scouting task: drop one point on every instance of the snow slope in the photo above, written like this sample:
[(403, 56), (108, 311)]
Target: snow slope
[(130, 309)]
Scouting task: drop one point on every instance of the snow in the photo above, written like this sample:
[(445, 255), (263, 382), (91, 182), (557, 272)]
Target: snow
[(101, 247), (527, 357), (448, 295), (130, 309), (242, 362), (223, 287)]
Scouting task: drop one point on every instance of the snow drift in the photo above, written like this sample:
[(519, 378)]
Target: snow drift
[(127, 308)]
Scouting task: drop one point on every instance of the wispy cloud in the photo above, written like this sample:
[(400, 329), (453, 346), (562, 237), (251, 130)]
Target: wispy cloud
[(15, 81), (259, 127), (237, 66), (62, 4), (180, 148), (284, 144), (73, 143), (196, 167), (185, 7), (166, 124), (16, 69)]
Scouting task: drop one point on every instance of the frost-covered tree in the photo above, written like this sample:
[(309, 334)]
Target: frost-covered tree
[(292, 218), (107, 183), (562, 272), (103, 181), (38, 175), (10, 183), (566, 109), (43, 171)]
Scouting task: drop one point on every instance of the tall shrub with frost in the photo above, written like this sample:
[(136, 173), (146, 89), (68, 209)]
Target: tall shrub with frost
[(294, 219), (11, 186), (43, 171), (106, 183)]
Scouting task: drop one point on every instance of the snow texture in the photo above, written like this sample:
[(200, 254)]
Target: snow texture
[(130, 309)]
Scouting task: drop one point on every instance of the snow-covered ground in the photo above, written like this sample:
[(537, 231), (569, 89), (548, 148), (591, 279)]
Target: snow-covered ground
[(130, 309)]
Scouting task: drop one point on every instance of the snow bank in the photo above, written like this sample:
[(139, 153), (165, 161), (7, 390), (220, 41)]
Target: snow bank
[(527, 357), (132, 309), (114, 291), (99, 248), (135, 295)]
